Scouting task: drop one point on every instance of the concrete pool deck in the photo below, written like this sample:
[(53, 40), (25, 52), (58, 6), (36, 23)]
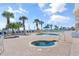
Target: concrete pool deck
[(21, 46)]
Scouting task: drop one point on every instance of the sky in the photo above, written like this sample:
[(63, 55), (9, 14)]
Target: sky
[(60, 14)]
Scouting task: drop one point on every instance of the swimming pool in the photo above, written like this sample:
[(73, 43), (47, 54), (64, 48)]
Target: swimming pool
[(43, 43), (48, 34)]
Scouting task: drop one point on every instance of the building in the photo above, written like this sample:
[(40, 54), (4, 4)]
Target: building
[(76, 13)]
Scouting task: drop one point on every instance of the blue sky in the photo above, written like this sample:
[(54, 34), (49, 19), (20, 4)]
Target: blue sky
[(60, 14)]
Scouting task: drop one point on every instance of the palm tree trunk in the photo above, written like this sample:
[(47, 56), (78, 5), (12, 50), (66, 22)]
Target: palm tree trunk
[(12, 31), (41, 26), (24, 27), (7, 28), (18, 29), (51, 27), (37, 26), (8, 21)]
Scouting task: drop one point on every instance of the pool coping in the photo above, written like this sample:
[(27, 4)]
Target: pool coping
[(56, 43)]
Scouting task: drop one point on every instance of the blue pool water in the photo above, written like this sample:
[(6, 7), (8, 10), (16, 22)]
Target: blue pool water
[(48, 34), (43, 43)]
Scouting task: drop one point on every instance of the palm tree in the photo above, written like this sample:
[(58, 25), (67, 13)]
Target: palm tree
[(8, 15), (51, 26), (37, 22), (23, 18), (72, 28), (19, 24), (12, 26), (41, 23), (56, 27)]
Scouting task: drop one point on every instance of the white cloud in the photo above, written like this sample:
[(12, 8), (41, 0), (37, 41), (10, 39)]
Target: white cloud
[(23, 10), (41, 5), (12, 20), (53, 7), (10, 9), (3, 23), (56, 7), (15, 11), (19, 10), (52, 11), (59, 18)]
